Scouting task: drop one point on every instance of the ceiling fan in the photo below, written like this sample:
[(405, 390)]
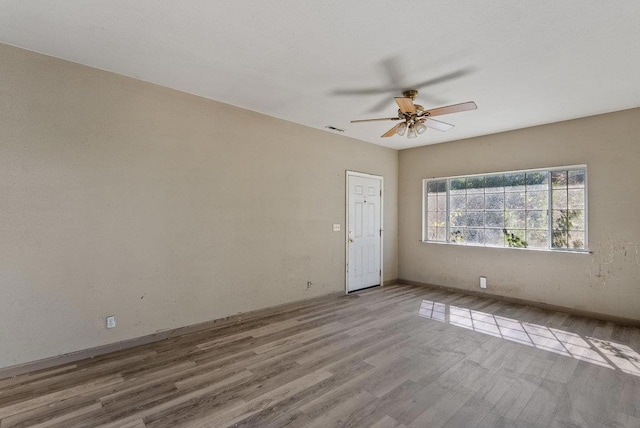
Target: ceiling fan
[(416, 119)]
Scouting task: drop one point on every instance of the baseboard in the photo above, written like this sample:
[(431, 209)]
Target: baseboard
[(579, 312), (72, 357), (390, 282)]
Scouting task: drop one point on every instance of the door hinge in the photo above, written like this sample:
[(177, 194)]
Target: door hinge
[(380, 232), (380, 192)]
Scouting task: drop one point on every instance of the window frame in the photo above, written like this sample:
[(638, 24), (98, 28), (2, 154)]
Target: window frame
[(548, 171)]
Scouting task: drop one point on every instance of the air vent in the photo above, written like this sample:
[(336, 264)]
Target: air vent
[(333, 128)]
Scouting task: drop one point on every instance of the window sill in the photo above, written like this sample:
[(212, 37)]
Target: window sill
[(543, 250)]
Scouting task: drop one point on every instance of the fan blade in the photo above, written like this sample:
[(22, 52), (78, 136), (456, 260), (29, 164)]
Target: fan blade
[(397, 81), (375, 120), (455, 108), (393, 73), (443, 78), (392, 131), (436, 124), (364, 91), (405, 104), (383, 104)]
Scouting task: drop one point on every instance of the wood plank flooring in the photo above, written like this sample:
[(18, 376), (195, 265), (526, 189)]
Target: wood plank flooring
[(396, 356)]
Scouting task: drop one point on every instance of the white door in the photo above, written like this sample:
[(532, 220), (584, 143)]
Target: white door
[(364, 232)]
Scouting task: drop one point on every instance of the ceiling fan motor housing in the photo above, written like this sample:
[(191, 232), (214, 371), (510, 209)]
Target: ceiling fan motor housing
[(411, 93)]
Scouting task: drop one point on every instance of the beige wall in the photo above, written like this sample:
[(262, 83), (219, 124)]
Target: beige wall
[(161, 208), (606, 282), (119, 197)]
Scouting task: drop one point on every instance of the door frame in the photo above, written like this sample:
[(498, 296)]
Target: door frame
[(346, 228)]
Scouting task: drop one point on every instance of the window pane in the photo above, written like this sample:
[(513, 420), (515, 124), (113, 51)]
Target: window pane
[(565, 222), (537, 200), (494, 201), (458, 202), (432, 203), (537, 238), (458, 219), (436, 219), (559, 199), (559, 239), (560, 218), (576, 240), (576, 178), (514, 219), (432, 233), (475, 185), (457, 185), (474, 236), (537, 180), (516, 238), (577, 220), (442, 202), (494, 183), (494, 219), (514, 201), (576, 198), (537, 220), (475, 201), (442, 232), (559, 179), (514, 182), (432, 218), (457, 235), (475, 218), (432, 186), (494, 237)]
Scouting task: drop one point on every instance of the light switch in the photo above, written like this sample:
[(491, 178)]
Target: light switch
[(336, 227)]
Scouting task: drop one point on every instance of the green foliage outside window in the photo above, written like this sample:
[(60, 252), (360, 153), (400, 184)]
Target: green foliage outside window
[(562, 230), (513, 240)]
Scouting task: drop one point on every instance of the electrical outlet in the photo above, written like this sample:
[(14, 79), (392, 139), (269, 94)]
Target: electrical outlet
[(308, 284), (336, 227), (111, 321), (483, 282)]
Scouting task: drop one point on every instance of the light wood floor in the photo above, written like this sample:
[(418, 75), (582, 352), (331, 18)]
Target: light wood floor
[(386, 357)]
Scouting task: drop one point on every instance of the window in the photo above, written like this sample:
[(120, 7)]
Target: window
[(540, 209)]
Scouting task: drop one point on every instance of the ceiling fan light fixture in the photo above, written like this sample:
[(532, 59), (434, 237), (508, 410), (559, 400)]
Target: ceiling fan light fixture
[(420, 128), (412, 132), (401, 129)]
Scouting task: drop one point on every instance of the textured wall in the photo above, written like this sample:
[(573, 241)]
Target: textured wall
[(607, 281), (161, 208)]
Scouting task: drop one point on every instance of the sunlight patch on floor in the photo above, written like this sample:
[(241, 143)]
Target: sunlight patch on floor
[(595, 351)]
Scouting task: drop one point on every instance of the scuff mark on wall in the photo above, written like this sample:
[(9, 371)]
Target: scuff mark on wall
[(618, 256)]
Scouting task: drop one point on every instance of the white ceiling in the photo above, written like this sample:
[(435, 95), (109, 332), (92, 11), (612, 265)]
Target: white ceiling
[(524, 63)]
